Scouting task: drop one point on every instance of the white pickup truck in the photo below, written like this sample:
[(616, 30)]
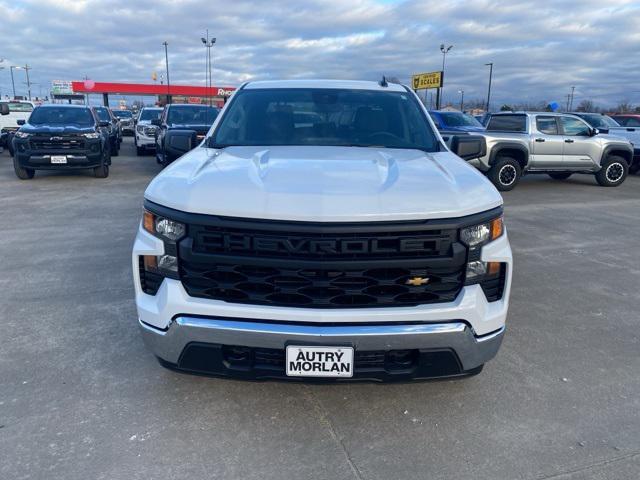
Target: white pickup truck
[(12, 111), (323, 229)]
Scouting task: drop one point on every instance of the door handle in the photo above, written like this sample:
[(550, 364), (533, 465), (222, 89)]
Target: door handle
[(568, 140), (539, 140)]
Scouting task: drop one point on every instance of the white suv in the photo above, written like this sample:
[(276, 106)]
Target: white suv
[(323, 229), (145, 134)]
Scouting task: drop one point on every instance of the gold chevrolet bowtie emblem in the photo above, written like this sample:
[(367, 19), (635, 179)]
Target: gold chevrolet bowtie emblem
[(417, 281)]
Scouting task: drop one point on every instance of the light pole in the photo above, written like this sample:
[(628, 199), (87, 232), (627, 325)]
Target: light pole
[(490, 65), (444, 49), (13, 84), (571, 102), (26, 69), (461, 92), (166, 62), (208, 43)]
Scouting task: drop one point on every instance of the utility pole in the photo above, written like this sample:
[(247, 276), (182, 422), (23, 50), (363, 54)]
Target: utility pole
[(13, 83), (571, 102), (461, 92), (444, 49), (490, 65), (166, 61)]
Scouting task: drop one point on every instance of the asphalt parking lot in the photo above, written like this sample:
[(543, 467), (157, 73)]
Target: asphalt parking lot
[(81, 398)]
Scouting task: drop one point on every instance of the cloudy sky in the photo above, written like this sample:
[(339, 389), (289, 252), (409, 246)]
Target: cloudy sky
[(539, 48)]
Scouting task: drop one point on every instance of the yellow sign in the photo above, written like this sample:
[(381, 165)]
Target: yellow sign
[(426, 80)]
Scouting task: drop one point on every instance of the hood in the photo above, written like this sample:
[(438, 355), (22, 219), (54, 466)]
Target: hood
[(202, 129), (323, 184), (56, 129)]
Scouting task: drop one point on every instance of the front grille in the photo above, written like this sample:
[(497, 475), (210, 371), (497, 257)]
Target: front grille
[(322, 265), (320, 287), (59, 143)]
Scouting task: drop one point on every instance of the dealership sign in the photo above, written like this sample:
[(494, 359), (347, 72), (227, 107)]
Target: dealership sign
[(61, 87), (426, 80)]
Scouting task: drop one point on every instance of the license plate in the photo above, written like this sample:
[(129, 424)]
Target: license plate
[(319, 361), (58, 159)]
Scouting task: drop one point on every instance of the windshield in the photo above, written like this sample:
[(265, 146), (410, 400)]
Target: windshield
[(456, 119), (103, 114), (19, 107), (122, 113), (600, 121), (150, 114), (191, 115), (339, 117), (61, 116)]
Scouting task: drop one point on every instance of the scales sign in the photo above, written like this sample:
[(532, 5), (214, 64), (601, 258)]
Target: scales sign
[(426, 80)]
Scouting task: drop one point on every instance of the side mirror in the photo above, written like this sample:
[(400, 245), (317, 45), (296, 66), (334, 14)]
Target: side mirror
[(4, 109), (104, 123), (20, 122), (156, 122), (469, 147)]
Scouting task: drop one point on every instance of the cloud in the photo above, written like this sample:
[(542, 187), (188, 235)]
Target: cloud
[(539, 49)]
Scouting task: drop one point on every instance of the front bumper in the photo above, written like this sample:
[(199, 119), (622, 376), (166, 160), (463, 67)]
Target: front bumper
[(470, 326), (42, 161), (145, 141), (199, 345)]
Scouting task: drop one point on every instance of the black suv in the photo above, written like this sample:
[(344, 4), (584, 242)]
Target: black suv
[(105, 114), (61, 137), (127, 121), (182, 127)]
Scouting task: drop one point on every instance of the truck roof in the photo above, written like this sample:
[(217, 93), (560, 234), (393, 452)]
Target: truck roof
[(342, 84)]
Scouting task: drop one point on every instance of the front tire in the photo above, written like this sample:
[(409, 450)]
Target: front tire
[(613, 171), (560, 175), (505, 173), (115, 149), (21, 172), (101, 171)]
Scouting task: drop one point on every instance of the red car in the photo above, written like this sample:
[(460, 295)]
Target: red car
[(627, 119)]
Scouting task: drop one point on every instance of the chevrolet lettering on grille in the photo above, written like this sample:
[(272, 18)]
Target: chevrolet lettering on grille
[(247, 243)]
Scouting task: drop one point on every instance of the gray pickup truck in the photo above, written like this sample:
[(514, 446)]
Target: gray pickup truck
[(606, 124), (553, 143)]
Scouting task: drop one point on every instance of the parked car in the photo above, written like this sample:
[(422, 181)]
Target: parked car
[(553, 143), (455, 121), (607, 124), (61, 137), (127, 124), (352, 244), (181, 128), (105, 115), (12, 111), (145, 137), (627, 119)]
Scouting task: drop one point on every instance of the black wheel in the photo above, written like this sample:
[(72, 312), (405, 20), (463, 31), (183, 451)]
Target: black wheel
[(505, 173), (21, 172), (140, 151), (115, 149), (560, 175), (101, 171), (165, 160), (613, 171)]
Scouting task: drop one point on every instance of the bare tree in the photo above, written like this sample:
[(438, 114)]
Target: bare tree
[(585, 106), (624, 106)]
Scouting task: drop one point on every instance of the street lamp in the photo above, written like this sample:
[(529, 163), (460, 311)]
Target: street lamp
[(166, 62), (461, 92), (490, 65), (208, 43), (13, 84), (444, 49)]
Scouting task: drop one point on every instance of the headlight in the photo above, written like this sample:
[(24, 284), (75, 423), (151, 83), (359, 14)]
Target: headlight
[(477, 235), (20, 134), (92, 135), (163, 227), (140, 128)]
